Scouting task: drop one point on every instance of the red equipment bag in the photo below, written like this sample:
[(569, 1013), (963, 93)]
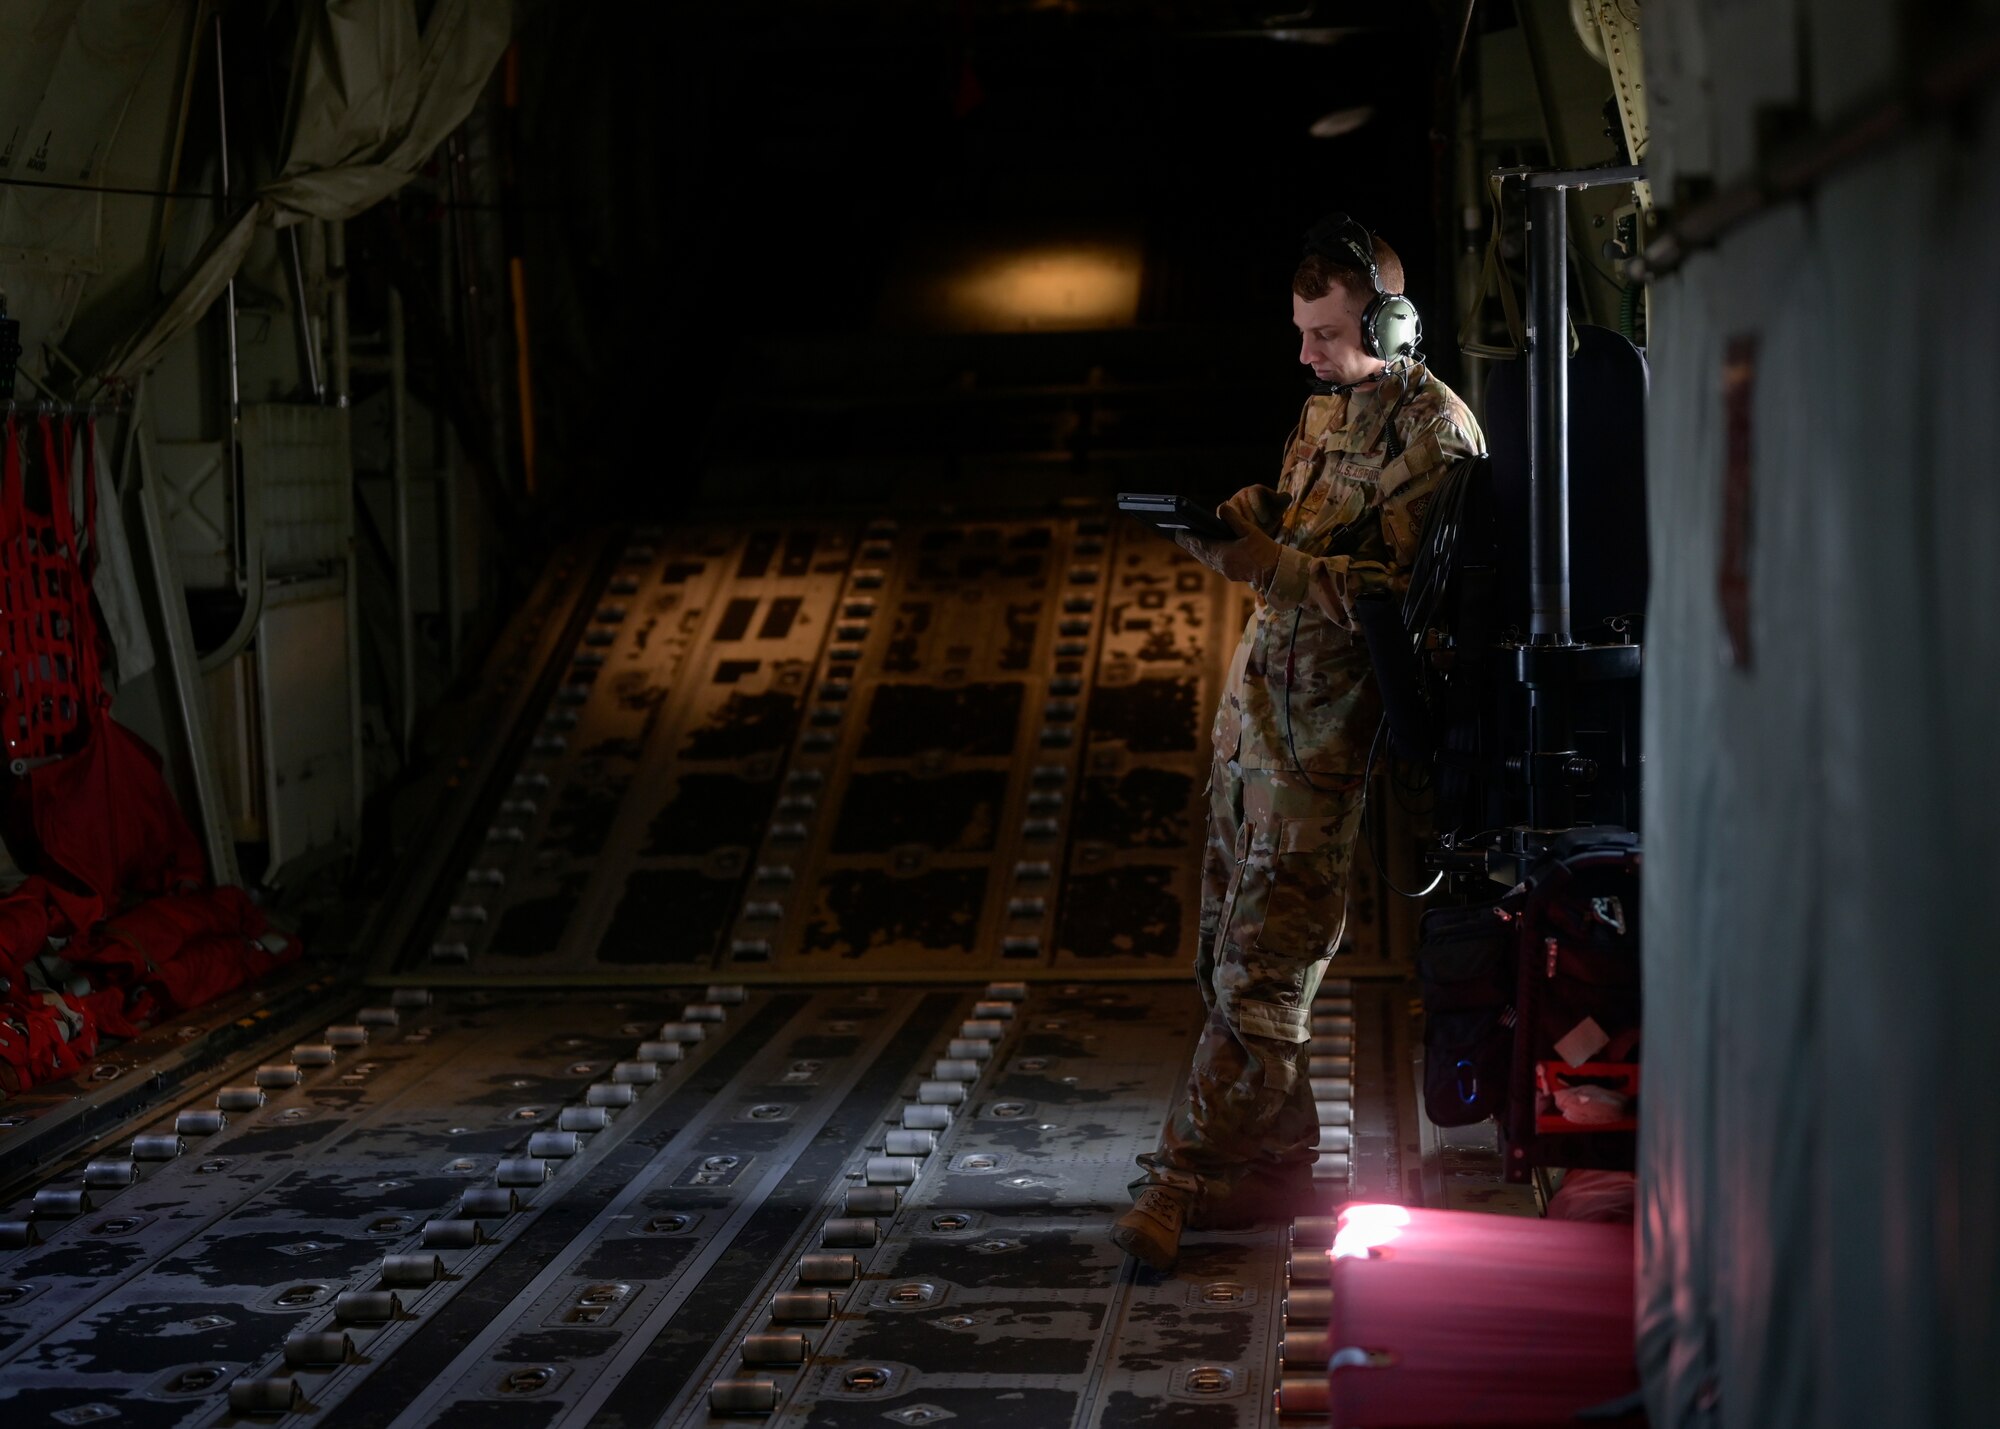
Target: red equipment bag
[(156, 932), (24, 926), (43, 1036), (101, 826), (208, 967), (1608, 1196), (182, 950), (1461, 1318)]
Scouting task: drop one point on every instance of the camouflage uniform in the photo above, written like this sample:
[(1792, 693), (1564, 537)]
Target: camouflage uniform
[(1285, 789)]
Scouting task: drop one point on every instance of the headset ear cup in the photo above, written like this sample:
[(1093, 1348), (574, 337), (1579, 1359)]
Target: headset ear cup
[(1371, 334), (1390, 328)]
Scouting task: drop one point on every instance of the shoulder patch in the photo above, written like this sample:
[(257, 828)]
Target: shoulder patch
[(1422, 455), (1439, 409)]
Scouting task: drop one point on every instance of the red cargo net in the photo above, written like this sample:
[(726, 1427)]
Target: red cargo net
[(49, 676), (82, 800), (85, 808)]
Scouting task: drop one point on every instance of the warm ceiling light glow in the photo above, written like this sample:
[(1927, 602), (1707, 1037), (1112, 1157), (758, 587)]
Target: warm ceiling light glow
[(1362, 1228), (1341, 121), (1069, 287)]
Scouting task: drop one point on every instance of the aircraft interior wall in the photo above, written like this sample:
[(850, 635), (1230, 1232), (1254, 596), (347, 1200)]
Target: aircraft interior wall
[(629, 580), (1818, 1167)]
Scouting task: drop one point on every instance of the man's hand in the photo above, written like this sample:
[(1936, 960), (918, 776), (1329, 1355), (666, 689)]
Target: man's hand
[(1252, 557), (1264, 507)]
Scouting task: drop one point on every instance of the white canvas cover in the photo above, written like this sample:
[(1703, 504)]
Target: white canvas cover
[(372, 96), (1818, 1163), (68, 70)]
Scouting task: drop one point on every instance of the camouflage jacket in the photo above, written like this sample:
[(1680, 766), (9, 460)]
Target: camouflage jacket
[(1357, 502)]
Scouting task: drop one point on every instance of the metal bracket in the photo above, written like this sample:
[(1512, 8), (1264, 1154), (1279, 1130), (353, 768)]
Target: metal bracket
[(1576, 178)]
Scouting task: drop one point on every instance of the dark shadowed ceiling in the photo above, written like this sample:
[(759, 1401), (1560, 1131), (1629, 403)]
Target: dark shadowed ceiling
[(726, 199)]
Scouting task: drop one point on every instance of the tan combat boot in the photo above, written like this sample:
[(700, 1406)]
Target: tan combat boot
[(1151, 1230)]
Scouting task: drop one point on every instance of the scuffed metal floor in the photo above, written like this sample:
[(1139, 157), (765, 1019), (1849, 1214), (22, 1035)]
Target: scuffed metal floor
[(854, 1205), (684, 1095)]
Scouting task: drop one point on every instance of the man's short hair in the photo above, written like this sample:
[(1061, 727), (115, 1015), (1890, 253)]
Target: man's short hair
[(1317, 274)]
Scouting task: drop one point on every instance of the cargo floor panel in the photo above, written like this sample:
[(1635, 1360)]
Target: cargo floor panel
[(731, 1196), (353, 1172), (948, 762), (860, 1204), (786, 752), (1131, 891), (703, 801), (550, 820), (996, 1286), (687, 1103)]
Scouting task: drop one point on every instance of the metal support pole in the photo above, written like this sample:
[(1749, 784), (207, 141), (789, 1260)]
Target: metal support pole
[(457, 275), (249, 519), (336, 273), (183, 665), (308, 342), (1551, 664), (1551, 731), (229, 289), (448, 556), (341, 362), (1471, 232), (1550, 805), (357, 760), (1548, 417), (399, 426)]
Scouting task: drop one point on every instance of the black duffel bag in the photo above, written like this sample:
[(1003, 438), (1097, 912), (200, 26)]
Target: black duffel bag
[(1576, 914), (1465, 963)]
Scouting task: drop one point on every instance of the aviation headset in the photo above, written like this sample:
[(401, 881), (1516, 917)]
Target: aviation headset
[(1390, 327)]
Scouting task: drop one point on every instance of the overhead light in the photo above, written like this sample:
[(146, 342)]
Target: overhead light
[(1065, 286), (1308, 35), (1341, 121), (1317, 35)]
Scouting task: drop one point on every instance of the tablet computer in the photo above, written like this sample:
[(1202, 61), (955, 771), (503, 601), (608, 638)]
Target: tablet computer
[(1170, 513)]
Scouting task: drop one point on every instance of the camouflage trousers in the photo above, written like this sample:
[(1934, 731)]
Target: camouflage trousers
[(1273, 904)]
